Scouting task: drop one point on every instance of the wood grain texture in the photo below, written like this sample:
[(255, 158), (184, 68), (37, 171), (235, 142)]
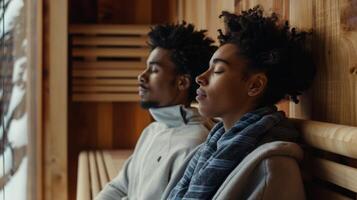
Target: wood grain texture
[(100, 123), (55, 98), (34, 102), (204, 14), (334, 93), (103, 125), (335, 138)]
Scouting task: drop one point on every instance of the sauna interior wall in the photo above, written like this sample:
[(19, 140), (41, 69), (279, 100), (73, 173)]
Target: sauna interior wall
[(109, 125)]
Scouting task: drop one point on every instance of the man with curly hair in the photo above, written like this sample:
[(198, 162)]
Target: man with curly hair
[(166, 87), (251, 153)]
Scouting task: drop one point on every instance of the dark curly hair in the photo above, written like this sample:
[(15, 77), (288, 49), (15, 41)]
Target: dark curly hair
[(190, 50), (275, 49)]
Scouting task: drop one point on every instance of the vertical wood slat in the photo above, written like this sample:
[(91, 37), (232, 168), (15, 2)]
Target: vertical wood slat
[(94, 177), (110, 167), (55, 97), (103, 177), (83, 183), (34, 95), (105, 124)]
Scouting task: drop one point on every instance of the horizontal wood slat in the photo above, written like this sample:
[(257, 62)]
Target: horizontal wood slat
[(105, 89), (106, 60), (110, 52), (318, 192), (108, 29), (109, 65), (335, 138), (106, 97), (335, 173), (106, 73), (107, 81), (109, 41)]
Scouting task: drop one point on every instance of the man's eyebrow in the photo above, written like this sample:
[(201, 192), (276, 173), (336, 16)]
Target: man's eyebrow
[(216, 60), (154, 63)]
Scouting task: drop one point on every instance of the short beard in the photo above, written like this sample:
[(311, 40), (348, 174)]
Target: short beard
[(149, 104)]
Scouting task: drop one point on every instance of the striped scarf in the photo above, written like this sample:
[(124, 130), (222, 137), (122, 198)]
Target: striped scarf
[(222, 152)]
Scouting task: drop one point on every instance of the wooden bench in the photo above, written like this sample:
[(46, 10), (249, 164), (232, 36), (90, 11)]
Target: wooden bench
[(330, 160), (329, 165), (96, 169)]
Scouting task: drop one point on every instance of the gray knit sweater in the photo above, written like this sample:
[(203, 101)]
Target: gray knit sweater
[(161, 149)]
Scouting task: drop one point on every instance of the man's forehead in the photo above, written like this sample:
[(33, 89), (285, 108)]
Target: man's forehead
[(224, 53)]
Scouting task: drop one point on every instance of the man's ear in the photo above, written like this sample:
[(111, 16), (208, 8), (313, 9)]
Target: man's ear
[(184, 82), (256, 84)]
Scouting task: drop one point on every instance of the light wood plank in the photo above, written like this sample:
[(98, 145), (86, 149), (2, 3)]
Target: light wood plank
[(103, 178), (106, 73), (335, 138), (106, 97), (109, 41), (34, 98), (109, 65), (119, 157), (94, 180), (110, 167), (83, 186), (110, 52), (335, 173), (55, 119), (115, 159), (109, 29), (105, 89), (107, 81)]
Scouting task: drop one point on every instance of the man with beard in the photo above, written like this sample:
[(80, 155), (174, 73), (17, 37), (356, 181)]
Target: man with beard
[(167, 88)]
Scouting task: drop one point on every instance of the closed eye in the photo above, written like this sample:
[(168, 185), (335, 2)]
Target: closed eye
[(218, 71)]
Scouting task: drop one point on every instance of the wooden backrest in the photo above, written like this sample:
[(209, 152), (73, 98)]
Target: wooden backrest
[(106, 60), (330, 163)]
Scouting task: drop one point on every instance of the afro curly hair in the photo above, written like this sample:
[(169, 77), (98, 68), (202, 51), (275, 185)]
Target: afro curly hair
[(190, 50), (272, 48)]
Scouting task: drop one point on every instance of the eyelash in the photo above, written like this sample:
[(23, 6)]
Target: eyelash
[(152, 69)]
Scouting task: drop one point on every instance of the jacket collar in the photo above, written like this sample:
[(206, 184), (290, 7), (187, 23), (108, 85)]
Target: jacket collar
[(175, 116)]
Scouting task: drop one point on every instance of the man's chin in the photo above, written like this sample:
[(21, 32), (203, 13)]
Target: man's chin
[(149, 104)]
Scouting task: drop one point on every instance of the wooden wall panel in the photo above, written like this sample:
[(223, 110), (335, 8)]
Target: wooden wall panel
[(115, 12), (55, 100), (281, 7), (123, 11), (333, 96), (204, 14), (103, 125), (130, 120)]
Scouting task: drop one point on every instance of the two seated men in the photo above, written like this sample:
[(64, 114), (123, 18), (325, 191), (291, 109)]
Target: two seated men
[(251, 153)]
